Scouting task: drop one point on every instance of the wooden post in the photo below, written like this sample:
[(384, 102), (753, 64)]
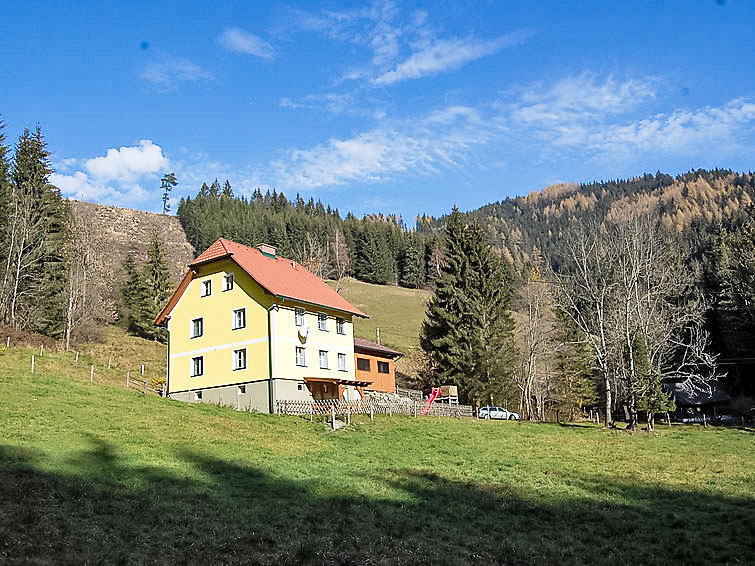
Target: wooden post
[(390, 409), (128, 378), (91, 373), (142, 369), (372, 412), (32, 363), (7, 342), (378, 336), (164, 391), (348, 416), (77, 357), (41, 349), (146, 385), (311, 412), (705, 421), (415, 409), (333, 417), (108, 362), (668, 419)]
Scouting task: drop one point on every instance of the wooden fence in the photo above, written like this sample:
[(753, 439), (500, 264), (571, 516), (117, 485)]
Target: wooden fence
[(370, 407), (142, 384), (413, 394)]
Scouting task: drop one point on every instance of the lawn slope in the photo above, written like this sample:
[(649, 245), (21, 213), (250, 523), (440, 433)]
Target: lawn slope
[(398, 313), (98, 474)]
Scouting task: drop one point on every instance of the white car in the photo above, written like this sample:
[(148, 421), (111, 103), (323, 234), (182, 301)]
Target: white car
[(498, 413)]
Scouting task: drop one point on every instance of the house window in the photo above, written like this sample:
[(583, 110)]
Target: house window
[(363, 364), (239, 319), (239, 359), (207, 288), (383, 367), (341, 362), (197, 395), (299, 317), (322, 321), (340, 325), (324, 359), (228, 282), (197, 366), (300, 386), (197, 327), (301, 357), (242, 389)]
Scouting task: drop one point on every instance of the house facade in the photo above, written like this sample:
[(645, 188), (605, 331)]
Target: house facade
[(376, 364), (247, 327)]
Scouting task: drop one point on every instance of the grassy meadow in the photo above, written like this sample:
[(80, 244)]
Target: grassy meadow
[(92, 473), (398, 313)]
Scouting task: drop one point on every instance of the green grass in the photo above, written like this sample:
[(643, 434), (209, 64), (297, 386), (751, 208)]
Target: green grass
[(396, 311), (97, 474)]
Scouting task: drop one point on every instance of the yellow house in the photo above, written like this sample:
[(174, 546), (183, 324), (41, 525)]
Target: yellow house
[(247, 328)]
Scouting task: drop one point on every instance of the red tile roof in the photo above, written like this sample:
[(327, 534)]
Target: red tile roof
[(374, 347), (279, 276)]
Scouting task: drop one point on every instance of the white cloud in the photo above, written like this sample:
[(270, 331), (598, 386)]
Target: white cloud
[(80, 187), (442, 140), (169, 73), (599, 117), (446, 55), (242, 41), (128, 162)]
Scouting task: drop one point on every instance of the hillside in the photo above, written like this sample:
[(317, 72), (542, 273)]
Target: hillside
[(110, 233), (97, 474), (397, 312)]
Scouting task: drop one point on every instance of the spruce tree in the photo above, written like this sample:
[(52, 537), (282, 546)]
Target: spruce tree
[(468, 332), (37, 233), (154, 292), (166, 184)]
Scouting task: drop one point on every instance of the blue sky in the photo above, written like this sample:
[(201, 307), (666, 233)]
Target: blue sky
[(378, 107)]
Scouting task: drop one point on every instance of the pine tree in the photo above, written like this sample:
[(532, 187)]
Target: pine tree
[(468, 333), (412, 264), (166, 184)]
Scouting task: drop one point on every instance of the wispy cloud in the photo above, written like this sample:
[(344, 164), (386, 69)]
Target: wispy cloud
[(242, 41), (446, 55), (418, 147), (168, 73), (598, 117), (402, 48)]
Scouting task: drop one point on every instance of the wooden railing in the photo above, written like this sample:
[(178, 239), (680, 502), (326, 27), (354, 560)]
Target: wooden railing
[(142, 384), (413, 394), (372, 407)]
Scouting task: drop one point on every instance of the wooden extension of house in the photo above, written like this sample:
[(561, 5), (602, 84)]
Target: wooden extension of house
[(248, 328), (377, 364)]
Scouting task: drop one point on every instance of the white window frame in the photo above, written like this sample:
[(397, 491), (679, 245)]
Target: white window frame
[(340, 325), (194, 366), (228, 281), (326, 358), (233, 318), (192, 334), (322, 321), (236, 366), (299, 316), (207, 288), (303, 351), (342, 366)]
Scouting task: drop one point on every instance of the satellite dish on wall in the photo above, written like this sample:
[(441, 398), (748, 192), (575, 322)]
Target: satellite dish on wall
[(304, 332)]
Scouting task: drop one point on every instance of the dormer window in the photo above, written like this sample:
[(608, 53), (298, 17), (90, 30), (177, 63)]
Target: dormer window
[(228, 282), (207, 288)]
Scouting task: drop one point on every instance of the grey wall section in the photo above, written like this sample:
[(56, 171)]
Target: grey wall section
[(253, 399)]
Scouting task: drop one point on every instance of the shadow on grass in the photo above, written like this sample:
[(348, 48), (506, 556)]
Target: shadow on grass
[(105, 512)]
